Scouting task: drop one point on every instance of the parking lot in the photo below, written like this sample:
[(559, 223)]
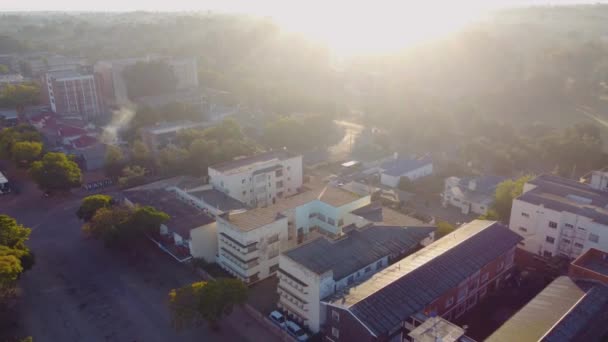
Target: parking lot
[(81, 291)]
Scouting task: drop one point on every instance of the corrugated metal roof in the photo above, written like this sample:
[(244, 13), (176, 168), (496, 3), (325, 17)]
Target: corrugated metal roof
[(558, 313), (406, 287), (357, 249)]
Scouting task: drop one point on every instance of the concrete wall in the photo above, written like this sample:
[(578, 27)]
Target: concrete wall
[(203, 242)]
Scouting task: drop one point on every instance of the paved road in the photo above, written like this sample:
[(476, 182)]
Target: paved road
[(80, 291), (342, 150)]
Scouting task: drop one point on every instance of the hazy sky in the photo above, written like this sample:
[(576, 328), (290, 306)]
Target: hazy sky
[(264, 7)]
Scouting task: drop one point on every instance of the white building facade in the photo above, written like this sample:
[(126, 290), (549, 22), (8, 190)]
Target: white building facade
[(259, 180), (557, 216)]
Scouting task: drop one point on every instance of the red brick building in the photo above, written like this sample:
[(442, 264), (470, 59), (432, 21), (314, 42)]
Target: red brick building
[(592, 265), (446, 278), (72, 93)]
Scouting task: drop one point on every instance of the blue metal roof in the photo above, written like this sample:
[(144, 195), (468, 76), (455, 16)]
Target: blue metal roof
[(400, 166)]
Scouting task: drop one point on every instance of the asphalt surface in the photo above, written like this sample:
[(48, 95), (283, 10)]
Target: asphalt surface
[(81, 291)]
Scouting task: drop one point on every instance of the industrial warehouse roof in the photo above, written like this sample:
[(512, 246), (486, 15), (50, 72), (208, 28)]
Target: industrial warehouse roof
[(562, 194), (401, 166), (259, 217), (242, 164), (357, 249), (184, 217), (406, 287), (563, 311)]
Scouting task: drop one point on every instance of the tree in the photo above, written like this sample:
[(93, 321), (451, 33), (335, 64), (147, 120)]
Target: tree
[(15, 256), (4, 69), (444, 228), (149, 79), (19, 95), (56, 172), (140, 154), (10, 136), (205, 301), (26, 152), (118, 226), (132, 176), (114, 162), (91, 204), (505, 193)]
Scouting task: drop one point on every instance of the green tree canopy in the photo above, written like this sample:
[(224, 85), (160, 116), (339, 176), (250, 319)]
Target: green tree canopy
[(505, 193), (132, 176), (19, 95), (205, 301), (119, 225), (444, 228), (114, 162), (10, 136), (91, 204), (4, 69), (26, 152), (149, 79), (56, 172), (15, 256)]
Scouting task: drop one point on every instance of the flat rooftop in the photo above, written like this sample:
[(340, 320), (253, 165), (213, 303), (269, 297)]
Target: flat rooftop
[(564, 311), (563, 194), (357, 248), (406, 287), (246, 163), (218, 199), (384, 216), (184, 217), (594, 260), (259, 217)]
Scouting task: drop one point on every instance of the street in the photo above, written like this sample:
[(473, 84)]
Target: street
[(79, 290)]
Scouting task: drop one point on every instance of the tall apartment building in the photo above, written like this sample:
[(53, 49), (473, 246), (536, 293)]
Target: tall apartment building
[(445, 279), (558, 216), (259, 180), (320, 268), (71, 92)]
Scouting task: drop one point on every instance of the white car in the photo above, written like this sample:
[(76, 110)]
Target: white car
[(294, 330), (277, 318)]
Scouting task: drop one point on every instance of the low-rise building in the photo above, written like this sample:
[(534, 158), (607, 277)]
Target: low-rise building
[(445, 279), (470, 194), (250, 240), (392, 170), (320, 268), (591, 265), (259, 180), (565, 310), (160, 135), (188, 233), (558, 216)]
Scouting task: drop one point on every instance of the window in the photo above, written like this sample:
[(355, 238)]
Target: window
[(482, 207), (568, 225), (335, 332), (552, 224), (312, 215), (550, 239), (566, 241), (274, 268), (379, 265), (244, 192), (578, 245), (321, 217), (273, 238), (581, 228), (547, 254), (594, 238), (522, 229), (484, 277), (449, 302), (525, 214), (331, 221), (335, 315), (278, 173), (368, 269), (279, 184)]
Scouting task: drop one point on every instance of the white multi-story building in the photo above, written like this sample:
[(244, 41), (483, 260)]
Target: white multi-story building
[(250, 240), (322, 267), (470, 194), (558, 216), (259, 180)]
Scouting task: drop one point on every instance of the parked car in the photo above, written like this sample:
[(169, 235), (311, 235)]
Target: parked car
[(294, 330), (277, 318)]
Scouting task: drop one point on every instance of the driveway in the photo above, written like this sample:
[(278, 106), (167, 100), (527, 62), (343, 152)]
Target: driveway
[(80, 291)]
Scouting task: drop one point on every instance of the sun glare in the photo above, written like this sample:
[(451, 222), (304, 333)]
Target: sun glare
[(378, 26)]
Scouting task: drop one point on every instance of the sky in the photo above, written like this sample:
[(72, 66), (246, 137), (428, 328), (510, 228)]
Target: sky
[(347, 26)]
